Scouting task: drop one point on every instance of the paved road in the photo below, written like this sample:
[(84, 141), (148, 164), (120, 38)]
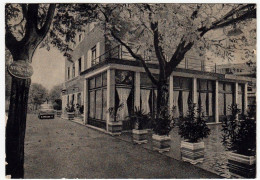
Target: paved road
[(57, 148)]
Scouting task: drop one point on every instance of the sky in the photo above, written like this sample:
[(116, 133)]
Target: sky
[(48, 67)]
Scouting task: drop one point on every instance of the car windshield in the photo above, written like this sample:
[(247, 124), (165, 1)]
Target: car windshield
[(46, 106)]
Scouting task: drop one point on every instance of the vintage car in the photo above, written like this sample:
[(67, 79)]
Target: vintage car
[(46, 111)]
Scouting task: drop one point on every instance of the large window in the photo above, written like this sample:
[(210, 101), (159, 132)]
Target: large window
[(68, 73), (73, 70), (225, 99), (206, 98), (97, 100), (182, 95)]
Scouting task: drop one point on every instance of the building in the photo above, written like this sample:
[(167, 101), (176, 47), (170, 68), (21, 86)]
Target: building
[(102, 76)]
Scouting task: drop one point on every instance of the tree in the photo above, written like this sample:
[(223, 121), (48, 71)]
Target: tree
[(55, 97), (169, 31), (28, 26), (37, 95)]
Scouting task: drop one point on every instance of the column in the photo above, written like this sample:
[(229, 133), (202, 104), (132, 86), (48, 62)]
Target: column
[(171, 94), (114, 128), (85, 101), (194, 91), (216, 102), (137, 90), (63, 106), (245, 98), (236, 96)]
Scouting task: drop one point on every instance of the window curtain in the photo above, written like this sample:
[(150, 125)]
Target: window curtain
[(175, 103), (145, 94), (240, 101), (229, 101), (92, 104), (98, 104), (221, 104), (185, 102), (210, 104), (104, 97), (123, 95), (203, 97)]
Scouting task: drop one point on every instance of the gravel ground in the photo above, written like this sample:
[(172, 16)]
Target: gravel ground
[(57, 148)]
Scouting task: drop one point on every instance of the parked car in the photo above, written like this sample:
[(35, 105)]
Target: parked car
[(46, 111)]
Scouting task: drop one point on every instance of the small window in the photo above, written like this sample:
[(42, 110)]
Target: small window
[(80, 37), (68, 73), (93, 55), (73, 70), (79, 65)]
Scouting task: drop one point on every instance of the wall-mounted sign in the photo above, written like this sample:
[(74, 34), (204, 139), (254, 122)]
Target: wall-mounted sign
[(20, 69)]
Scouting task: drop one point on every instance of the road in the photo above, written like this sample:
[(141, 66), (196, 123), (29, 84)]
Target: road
[(58, 148)]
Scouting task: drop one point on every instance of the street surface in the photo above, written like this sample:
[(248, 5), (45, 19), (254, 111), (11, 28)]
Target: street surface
[(58, 148)]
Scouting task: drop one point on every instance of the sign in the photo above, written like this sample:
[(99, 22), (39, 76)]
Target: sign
[(20, 69)]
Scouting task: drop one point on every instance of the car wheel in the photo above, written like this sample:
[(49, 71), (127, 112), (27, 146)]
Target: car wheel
[(40, 117)]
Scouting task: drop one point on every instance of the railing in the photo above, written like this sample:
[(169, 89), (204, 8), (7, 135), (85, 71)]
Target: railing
[(119, 52)]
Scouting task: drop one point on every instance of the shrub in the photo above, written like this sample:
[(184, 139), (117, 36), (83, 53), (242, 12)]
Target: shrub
[(139, 118), (240, 135), (70, 108), (193, 127), (163, 122)]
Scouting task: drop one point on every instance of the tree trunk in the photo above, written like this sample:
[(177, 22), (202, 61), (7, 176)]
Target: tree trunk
[(162, 96), (16, 126)]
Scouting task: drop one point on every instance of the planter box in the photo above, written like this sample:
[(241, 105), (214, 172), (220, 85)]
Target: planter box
[(58, 113), (70, 115), (140, 136), (241, 166), (192, 152), (161, 143), (115, 128)]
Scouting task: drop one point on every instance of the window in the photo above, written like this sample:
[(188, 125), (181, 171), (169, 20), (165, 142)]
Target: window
[(73, 70), (68, 73), (93, 55), (80, 37), (79, 64)]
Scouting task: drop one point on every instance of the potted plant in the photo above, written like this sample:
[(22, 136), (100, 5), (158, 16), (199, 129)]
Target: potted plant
[(193, 129), (162, 124), (115, 126), (239, 137), (140, 120), (70, 111)]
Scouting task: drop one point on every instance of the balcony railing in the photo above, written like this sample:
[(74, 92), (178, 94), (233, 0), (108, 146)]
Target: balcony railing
[(119, 52)]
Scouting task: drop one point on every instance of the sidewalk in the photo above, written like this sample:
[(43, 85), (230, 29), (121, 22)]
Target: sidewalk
[(62, 149)]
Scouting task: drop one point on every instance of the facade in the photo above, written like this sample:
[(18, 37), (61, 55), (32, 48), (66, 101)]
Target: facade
[(101, 77)]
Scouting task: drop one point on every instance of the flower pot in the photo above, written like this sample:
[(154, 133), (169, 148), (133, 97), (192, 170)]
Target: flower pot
[(140, 136), (161, 143), (58, 113), (70, 115), (192, 152), (115, 127), (241, 166)]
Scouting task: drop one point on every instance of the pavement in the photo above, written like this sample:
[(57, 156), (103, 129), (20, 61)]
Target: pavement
[(58, 148)]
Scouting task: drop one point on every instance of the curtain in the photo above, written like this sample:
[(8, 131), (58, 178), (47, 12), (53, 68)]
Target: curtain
[(98, 104), (229, 101), (210, 105), (240, 101), (203, 97), (104, 97), (123, 96), (91, 104), (145, 94), (185, 102), (221, 104), (175, 103)]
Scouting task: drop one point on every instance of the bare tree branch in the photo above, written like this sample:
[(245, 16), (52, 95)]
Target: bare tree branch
[(43, 31), (137, 57)]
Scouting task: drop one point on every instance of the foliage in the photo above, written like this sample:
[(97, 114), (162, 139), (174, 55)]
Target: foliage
[(163, 121), (80, 108), (193, 127), (37, 95), (55, 93), (70, 108), (113, 111), (57, 105), (139, 118), (240, 135)]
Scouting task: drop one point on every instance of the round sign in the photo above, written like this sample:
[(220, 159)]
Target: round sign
[(20, 69)]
